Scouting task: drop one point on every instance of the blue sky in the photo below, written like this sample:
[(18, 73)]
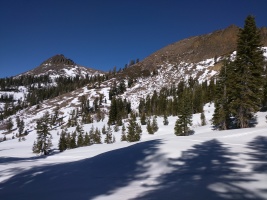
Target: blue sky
[(102, 34)]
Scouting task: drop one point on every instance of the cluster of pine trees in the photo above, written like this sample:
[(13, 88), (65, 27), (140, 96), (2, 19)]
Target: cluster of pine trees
[(241, 85), (41, 88)]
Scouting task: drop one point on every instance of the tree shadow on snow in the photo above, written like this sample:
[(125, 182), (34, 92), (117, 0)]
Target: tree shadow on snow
[(207, 172), (85, 179), (259, 154)]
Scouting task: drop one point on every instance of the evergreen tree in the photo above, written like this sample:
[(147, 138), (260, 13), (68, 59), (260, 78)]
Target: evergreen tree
[(43, 144), (149, 127), (80, 140), (247, 90), (155, 124), (86, 139), (203, 119), (21, 127), (62, 145), (134, 130), (165, 120), (73, 140), (97, 136), (184, 117), (108, 138), (143, 118), (123, 134), (113, 112), (221, 116)]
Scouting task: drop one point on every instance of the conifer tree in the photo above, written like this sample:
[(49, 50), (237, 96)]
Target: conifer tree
[(247, 90), (134, 130), (149, 127), (123, 134), (43, 144), (80, 140), (108, 138), (143, 118), (221, 116), (97, 136), (165, 120), (184, 117), (203, 119), (155, 124), (86, 139), (62, 145)]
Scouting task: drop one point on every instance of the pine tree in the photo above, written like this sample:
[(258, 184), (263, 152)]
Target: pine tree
[(86, 139), (184, 117), (149, 127), (221, 116), (108, 138), (97, 136), (203, 119), (62, 145), (134, 130), (21, 127), (113, 112), (155, 127), (43, 135), (143, 118), (247, 90), (123, 135), (80, 140), (165, 120)]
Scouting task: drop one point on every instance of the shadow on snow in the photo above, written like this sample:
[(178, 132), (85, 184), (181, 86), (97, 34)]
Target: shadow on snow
[(85, 179), (259, 154), (208, 172)]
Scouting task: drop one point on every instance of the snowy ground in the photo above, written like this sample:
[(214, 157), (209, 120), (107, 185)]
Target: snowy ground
[(207, 165)]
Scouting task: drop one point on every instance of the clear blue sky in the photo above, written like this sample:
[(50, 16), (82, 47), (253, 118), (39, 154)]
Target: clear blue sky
[(102, 34)]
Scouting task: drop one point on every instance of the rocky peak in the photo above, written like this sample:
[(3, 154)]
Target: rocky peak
[(59, 59)]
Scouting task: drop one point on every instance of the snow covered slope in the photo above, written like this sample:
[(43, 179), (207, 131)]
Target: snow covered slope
[(207, 165)]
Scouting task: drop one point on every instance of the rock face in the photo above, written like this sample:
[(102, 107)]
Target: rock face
[(59, 59)]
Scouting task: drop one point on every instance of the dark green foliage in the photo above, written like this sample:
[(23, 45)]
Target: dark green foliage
[(203, 119), (185, 116), (155, 127), (123, 134), (134, 130), (86, 139), (239, 91), (246, 92), (143, 119), (43, 144), (108, 138), (119, 110), (149, 127), (63, 143), (221, 116), (165, 120)]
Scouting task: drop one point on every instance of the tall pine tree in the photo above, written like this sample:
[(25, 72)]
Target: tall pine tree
[(247, 90)]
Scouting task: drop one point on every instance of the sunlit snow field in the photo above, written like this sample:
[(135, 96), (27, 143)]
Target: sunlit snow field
[(207, 165)]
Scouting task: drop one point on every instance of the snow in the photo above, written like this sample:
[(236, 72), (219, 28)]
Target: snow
[(207, 165)]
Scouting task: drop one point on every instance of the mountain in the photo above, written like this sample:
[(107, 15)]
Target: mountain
[(216, 164), (198, 48), (60, 66)]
